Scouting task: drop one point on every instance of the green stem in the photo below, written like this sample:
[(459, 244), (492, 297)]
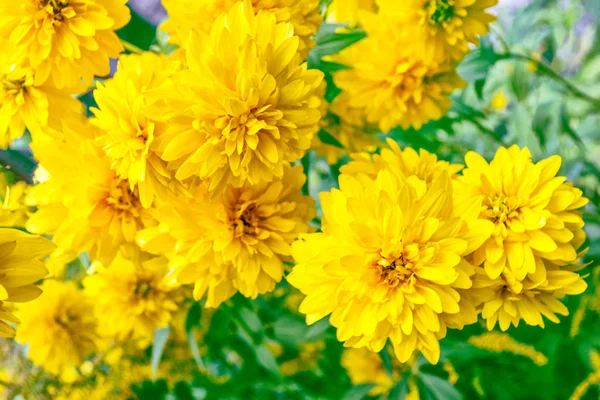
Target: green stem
[(306, 166), (130, 47), (544, 68)]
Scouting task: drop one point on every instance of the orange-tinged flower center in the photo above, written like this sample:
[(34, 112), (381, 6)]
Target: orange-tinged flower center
[(399, 269), (246, 221), (122, 199), (501, 209)]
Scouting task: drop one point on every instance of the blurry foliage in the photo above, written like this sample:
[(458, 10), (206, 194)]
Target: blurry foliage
[(534, 81)]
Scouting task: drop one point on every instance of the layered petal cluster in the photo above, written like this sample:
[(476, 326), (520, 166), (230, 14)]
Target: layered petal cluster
[(532, 255), (391, 79), (132, 297), (83, 204), (390, 262), (188, 15), (66, 42), (28, 104), (13, 212), (245, 107), (347, 11), (347, 126), (364, 367), (235, 241), (59, 327), (20, 268), (448, 26), (127, 132)]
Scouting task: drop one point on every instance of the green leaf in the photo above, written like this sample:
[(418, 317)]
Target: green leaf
[(290, 330), (386, 360), (436, 388), (138, 32), (251, 322), (400, 389), (566, 125), (327, 138), (161, 336), (317, 330), (358, 392), (266, 359), (191, 322)]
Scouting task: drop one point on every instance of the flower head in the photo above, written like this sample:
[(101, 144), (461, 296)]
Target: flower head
[(236, 241), (127, 132), (532, 255), (347, 11), (187, 15), (65, 41), (447, 25), (391, 80), (20, 268), (83, 204), (13, 211), (245, 107), (26, 104), (132, 297), (59, 327), (389, 263)]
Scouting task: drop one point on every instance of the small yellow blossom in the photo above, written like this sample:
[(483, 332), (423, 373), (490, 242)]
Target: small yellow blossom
[(391, 80), (499, 101), (245, 106), (187, 15), (499, 342), (448, 26), (13, 211), (127, 132), (83, 204), (236, 241), (59, 327), (20, 268), (132, 297), (66, 42)]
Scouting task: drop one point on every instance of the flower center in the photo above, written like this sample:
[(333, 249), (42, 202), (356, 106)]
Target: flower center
[(399, 268), (246, 221), (143, 289), (501, 209), (123, 199), (11, 88), (439, 11), (57, 10), (65, 320)]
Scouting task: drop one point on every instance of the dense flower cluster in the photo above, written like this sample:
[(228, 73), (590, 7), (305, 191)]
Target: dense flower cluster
[(181, 178), (409, 248)]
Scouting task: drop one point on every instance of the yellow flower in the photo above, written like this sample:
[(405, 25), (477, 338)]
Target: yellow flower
[(499, 101), (421, 167), (530, 259), (307, 360), (347, 11), (20, 268), (389, 263), (236, 241), (391, 80), (132, 297), (60, 327), (448, 26), (245, 107), (13, 211), (347, 125), (187, 15), (364, 366), (26, 104), (83, 204), (499, 342), (65, 41), (127, 132)]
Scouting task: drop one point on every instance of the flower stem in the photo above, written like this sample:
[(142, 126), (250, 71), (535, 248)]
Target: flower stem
[(131, 47)]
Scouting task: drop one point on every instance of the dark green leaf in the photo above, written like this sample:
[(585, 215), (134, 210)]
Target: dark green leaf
[(327, 138), (358, 392), (400, 389), (436, 388), (138, 32)]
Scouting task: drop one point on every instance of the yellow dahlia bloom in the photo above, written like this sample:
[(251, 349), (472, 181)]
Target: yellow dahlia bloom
[(364, 366), (423, 167), (391, 80), (20, 268), (127, 132), (448, 26), (84, 205), (26, 104), (347, 11), (188, 15), (13, 211), (132, 297), (389, 263), (347, 125), (59, 327), (236, 241), (65, 41), (245, 107), (535, 213)]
